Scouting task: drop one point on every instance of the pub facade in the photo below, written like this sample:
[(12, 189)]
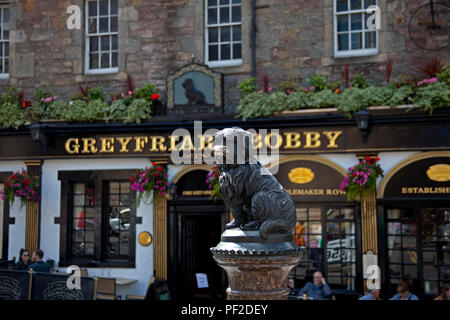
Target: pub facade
[(88, 215)]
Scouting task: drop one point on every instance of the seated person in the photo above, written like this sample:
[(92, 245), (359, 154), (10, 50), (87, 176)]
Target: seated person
[(293, 291), (38, 265), (24, 260), (404, 293), (318, 289), (373, 294)]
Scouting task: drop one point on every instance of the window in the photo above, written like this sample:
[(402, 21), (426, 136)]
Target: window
[(223, 33), (418, 247), (329, 236), (102, 36), (352, 36), (99, 218), (1, 223), (4, 42)]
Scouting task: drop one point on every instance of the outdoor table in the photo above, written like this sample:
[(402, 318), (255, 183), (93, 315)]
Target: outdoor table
[(124, 281)]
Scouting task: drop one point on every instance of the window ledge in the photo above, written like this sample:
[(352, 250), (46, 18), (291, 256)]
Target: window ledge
[(221, 64), (356, 53), (101, 71), (98, 264)]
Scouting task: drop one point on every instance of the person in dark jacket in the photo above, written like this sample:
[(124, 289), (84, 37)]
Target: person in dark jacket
[(38, 265), (24, 260), (318, 289), (404, 292)]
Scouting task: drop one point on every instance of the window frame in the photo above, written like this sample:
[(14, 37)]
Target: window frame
[(7, 220), (229, 62), (87, 36), (357, 52), (100, 179), (4, 75)]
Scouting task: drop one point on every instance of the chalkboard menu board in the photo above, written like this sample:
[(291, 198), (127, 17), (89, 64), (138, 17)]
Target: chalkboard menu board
[(47, 286), (14, 285)]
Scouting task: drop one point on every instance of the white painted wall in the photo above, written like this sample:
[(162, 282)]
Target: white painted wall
[(16, 239), (50, 208)]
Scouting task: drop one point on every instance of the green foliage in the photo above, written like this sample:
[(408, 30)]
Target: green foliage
[(322, 83), (10, 96), (444, 76), (288, 86), (400, 96), (55, 110), (359, 81), (247, 86), (145, 92), (96, 93), (433, 96), (322, 99), (80, 110), (138, 110), (11, 115)]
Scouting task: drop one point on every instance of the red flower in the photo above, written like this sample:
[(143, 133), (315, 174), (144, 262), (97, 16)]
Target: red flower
[(156, 174), (154, 164), (159, 169), (26, 182), (132, 179), (155, 96), (367, 158)]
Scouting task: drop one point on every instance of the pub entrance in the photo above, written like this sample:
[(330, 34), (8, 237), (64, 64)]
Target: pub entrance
[(195, 224), (193, 228)]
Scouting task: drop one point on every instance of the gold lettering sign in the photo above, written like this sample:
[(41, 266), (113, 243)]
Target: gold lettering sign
[(301, 175), (439, 173)]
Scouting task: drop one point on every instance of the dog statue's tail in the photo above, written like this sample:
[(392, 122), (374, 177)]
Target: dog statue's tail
[(284, 224)]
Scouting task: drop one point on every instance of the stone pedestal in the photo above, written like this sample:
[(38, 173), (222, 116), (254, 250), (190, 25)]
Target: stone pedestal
[(257, 269)]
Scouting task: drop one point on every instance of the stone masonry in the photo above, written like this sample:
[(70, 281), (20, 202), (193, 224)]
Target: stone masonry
[(156, 37)]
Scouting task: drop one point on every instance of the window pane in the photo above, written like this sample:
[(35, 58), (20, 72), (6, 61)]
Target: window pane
[(93, 61), (356, 23), (355, 4), (356, 40), (315, 214), (93, 44), (6, 49), (237, 52), (342, 23), (224, 34), (394, 242), (115, 62), (213, 35), (104, 7), (368, 3), (409, 242), (431, 287), (6, 66), (125, 187), (212, 16), (92, 25), (224, 15), (343, 42), (237, 33), (342, 5), (213, 53), (103, 25), (410, 256), (395, 256), (236, 13), (212, 2), (92, 8), (105, 60), (114, 7), (429, 257), (302, 214), (395, 271), (410, 272), (224, 2), (6, 16), (236, 1), (225, 52), (78, 188), (114, 42), (89, 249), (105, 43), (5, 34), (114, 24), (333, 228)]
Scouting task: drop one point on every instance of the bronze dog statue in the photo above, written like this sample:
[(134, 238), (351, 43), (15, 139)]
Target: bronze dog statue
[(256, 199)]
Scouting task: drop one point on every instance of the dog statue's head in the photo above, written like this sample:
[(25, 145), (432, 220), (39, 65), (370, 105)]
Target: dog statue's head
[(233, 146)]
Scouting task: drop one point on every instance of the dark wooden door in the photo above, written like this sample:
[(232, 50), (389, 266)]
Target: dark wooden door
[(192, 231)]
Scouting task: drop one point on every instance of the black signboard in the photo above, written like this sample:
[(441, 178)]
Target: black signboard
[(47, 286), (14, 285), (307, 180), (422, 179), (193, 184)]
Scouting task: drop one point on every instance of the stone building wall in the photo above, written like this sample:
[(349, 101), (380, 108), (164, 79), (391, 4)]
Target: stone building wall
[(156, 37)]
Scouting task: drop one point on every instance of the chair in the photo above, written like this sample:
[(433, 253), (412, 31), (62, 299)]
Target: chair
[(106, 289), (136, 297)]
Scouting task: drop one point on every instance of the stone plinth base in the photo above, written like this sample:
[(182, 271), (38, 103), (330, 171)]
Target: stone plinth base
[(257, 269)]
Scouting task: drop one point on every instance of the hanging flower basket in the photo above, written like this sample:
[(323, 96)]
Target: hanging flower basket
[(148, 180), (212, 179), (361, 179), (20, 185)]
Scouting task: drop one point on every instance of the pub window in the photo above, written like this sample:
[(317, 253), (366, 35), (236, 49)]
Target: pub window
[(102, 36), (328, 234), (418, 247), (352, 36), (100, 219), (4, 41), (2, 203), (223, 33)]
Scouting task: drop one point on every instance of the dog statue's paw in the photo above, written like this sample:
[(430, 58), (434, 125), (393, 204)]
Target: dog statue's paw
[(233, 224), (252, 225)]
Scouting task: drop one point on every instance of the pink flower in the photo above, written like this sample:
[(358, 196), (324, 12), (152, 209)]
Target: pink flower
[(261, 91), (130, 93)]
